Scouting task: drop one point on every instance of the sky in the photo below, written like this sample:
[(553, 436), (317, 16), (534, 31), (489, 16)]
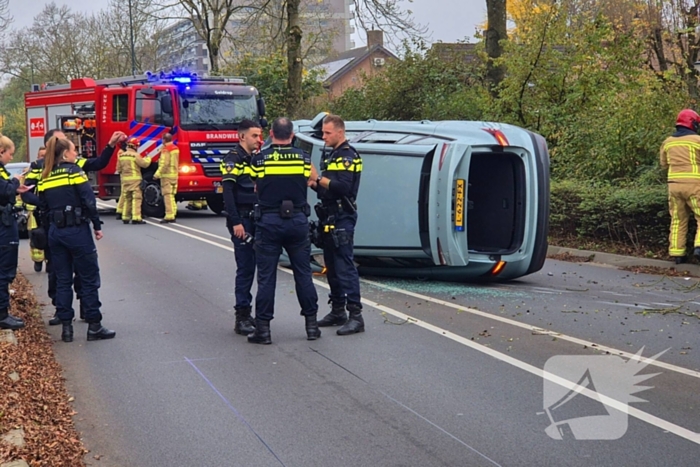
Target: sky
[(447, 20)]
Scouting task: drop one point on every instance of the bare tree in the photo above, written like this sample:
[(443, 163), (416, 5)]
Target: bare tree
[(388, 16), (495, 33), (210, 19), (5, 16), (295, 64)]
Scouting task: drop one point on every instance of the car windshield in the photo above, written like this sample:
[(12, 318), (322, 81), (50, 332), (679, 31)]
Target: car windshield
[(215, 109)]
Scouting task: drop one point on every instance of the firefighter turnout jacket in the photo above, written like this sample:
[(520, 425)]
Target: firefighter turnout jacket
[(169, 162), (130, 165), (680, 153)]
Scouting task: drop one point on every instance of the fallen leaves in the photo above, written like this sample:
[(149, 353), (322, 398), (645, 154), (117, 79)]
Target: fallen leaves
[(36, 401)]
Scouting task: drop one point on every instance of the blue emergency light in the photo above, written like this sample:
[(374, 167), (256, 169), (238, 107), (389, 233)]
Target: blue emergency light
[(182, 79)]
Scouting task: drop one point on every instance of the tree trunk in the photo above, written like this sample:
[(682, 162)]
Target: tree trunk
[(495, 33), (294, 61)]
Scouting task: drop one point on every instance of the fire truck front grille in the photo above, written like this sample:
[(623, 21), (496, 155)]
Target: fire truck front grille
[(211, 170)]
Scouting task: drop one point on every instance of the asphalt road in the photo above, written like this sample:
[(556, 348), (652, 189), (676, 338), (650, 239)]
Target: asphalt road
[(447, 374)]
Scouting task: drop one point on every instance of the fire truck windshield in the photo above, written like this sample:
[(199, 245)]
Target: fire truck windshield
[(215, 109)]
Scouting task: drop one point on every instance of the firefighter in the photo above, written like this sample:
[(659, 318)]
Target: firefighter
[(9, 237), (66, 196), (337, 189), (129, 167), (197, 205), (281, 174), (678, 154), (88, 165), (120, 201), (167, 172), (239, 202), (36, 254)]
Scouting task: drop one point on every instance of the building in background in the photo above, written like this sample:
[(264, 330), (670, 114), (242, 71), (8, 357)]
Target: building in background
[(181, 48), (325, 22), (347, 69)]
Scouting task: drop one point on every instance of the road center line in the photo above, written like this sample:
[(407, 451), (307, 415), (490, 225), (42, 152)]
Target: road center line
[(641, 415)]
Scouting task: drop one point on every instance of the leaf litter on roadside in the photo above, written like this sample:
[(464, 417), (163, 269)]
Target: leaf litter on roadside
[(37, 402)]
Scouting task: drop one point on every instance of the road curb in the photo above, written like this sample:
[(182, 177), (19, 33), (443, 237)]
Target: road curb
[(620, 260)]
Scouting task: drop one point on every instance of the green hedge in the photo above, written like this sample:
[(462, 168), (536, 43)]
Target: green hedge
[(634, 216)]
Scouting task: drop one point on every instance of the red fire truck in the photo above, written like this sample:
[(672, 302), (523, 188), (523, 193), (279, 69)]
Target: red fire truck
[(201, 113)]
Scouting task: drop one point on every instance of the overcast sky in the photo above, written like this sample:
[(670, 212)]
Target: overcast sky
[(447, 20)]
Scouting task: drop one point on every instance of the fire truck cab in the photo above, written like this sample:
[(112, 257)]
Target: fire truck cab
[(201, 113)]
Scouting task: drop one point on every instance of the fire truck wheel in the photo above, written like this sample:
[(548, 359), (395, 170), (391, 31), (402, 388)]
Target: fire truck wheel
[(216, 204), (152, 205)]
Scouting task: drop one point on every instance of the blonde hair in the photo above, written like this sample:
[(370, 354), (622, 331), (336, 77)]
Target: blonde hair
[(55, 149), (5, 143)]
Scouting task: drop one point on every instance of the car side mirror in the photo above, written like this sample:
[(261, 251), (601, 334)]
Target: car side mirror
[(261, 107), (263, 122)]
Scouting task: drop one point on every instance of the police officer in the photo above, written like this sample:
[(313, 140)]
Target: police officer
[(678, 156), (239, 201), (281, 174), (129, 168), (9, 237), (168, 165), (337, 189), (66, 196), (88, 165)]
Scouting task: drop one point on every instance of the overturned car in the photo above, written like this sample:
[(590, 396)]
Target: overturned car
[(453, 200)]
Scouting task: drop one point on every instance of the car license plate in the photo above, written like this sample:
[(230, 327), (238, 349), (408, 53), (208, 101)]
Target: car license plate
[(459, 205)]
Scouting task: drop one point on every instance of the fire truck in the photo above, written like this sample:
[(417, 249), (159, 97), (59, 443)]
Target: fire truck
[(202, 114)]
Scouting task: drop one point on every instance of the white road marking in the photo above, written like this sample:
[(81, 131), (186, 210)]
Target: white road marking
[(626, 305), (643, 416)]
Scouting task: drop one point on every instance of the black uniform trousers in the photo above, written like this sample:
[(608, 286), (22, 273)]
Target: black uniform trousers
[(341, 272), (272, 234), (73, 249), (9, 243), (77, 285), (245, 264)]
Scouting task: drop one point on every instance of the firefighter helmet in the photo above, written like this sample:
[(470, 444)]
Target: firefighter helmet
[(688, 118), (135, 143)]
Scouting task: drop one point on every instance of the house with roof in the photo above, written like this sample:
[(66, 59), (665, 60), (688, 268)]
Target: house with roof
[(345, 70)]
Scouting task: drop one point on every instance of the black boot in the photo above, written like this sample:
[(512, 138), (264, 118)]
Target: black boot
[(96, 332), (38, 265), (355, 323), (312, 330), (7, 321), (696, 253), (54, 321), (262, 333), (119, 216), (680, 259), (67, 333), (244, 323), (337, 317)]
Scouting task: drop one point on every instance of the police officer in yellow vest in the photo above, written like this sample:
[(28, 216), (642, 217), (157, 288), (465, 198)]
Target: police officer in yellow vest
[(678, 155), (168, 165), (129, 167)]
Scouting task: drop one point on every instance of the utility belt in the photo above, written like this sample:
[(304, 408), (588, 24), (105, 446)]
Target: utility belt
[(286, 210), (7, 214), (345, 204), (69, 217), (246, 211)]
